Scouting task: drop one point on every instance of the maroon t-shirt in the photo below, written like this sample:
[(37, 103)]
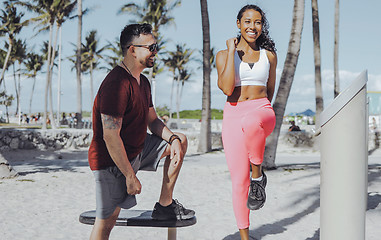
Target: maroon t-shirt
[(120, 95)]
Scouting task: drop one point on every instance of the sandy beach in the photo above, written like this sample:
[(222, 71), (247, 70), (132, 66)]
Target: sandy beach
[(54, 187)]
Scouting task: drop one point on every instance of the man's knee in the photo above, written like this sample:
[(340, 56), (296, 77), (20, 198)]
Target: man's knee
[(184, 141), (107, 224)]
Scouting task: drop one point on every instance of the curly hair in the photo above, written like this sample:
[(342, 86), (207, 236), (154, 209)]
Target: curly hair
[(264, 40), (130, 32)]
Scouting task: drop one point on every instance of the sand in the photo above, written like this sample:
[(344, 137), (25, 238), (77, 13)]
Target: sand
[(53, 188)]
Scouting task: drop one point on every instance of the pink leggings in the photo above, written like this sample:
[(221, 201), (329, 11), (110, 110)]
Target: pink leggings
[(244, 130)]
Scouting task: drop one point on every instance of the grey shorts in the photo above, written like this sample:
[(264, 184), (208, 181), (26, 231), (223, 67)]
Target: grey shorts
[(110, 183)]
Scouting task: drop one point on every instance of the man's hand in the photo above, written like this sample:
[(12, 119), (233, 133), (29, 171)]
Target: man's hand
[(176, 151), (133, 185)]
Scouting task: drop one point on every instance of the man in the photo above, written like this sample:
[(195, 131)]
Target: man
[(121, 145)]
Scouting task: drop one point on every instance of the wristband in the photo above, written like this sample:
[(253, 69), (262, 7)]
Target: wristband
[(173, 138)]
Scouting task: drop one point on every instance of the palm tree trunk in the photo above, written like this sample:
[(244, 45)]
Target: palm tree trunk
[(59, 79), (47, 77), (52, 119), (6, 105), (150, 75), (170, 103), (317, 57), (6, 60), (181, 91), (91, 88), (16, 88), (153, 86), (78, 66), (336, 52), (19, 93), (31, 95), (7, 113), (153, 91), (205, 142), (285, 82), (51, 113), (178, 100)]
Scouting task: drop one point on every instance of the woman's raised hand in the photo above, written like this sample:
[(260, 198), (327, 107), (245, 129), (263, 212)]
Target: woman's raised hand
[(231, 43)]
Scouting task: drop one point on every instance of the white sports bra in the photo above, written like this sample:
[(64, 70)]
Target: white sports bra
[(254, 75)]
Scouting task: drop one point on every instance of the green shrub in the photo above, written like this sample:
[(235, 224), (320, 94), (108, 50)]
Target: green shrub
[(196, 114)]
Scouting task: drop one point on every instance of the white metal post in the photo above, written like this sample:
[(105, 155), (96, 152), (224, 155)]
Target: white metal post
[(344, 165)]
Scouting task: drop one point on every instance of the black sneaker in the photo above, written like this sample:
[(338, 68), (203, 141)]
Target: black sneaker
[(174, 211), (257, 193)]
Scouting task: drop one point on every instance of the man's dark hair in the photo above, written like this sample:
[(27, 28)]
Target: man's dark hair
[(133, 31)]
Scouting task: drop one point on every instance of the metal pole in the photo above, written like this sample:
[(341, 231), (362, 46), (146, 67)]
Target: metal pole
[(172, 234)]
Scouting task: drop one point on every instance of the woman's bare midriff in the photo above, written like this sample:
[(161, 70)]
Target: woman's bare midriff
[(245, 93)]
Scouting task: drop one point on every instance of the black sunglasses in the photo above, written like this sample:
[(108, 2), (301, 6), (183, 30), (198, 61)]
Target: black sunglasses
[(152, 48)]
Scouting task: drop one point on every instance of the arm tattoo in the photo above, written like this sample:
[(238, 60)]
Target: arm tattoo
[(110, 122)]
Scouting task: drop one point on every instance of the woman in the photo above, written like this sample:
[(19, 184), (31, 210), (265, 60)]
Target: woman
[(246, 74)]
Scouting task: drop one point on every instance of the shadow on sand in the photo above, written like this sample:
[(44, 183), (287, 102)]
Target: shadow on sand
[(31, 161), (281, 225), (374, 200)]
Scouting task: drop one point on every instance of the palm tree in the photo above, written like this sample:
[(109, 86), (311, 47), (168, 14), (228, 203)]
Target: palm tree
[(3, 55), (45, 56), (117, 54), (33, 65), (6, 100), (155, 12), (205, 143), (10, 60), (78, 66), (91, 55), (65, 10), (44, 52), (286, 80), (316, 37), (18, 54), (185, 75), (171, 63), (336, 51), (212, 59), (47, 12), (11, 25), (176, 62), (158, 14), (157, 67)]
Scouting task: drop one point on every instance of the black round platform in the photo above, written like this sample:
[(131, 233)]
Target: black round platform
[(138, 218)]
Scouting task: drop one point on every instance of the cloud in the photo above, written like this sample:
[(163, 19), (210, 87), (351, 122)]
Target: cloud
[(374, 82)]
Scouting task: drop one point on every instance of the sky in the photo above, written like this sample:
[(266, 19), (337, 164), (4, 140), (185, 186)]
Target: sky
[(359, 49)]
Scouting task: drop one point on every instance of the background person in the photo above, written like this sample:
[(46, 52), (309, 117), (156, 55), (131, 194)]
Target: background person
[(293, 127)]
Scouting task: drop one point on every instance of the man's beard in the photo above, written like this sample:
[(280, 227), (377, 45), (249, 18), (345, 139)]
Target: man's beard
[(148, 63)]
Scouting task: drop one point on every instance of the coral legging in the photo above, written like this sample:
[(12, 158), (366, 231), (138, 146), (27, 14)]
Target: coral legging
[(244, 130)]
